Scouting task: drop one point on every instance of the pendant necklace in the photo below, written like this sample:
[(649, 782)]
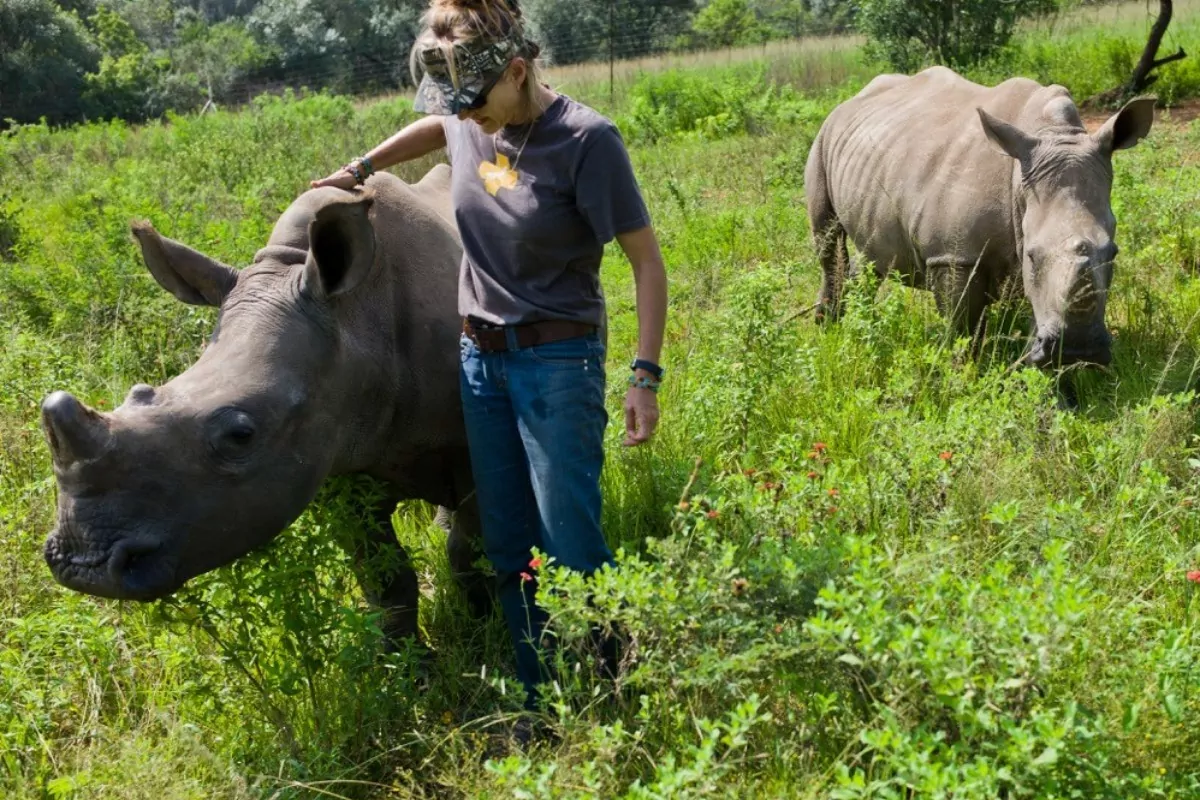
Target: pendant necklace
[(500, 175)]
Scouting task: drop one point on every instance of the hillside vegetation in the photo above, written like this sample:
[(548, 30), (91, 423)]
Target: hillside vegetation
[(856, 562)]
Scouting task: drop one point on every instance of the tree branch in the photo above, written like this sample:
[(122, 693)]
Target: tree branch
[(1178, 55)]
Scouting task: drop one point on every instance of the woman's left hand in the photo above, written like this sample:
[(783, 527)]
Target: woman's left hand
[(641, 416)]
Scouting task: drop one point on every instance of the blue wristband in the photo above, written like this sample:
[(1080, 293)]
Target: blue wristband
[(649, 366), (644, 383)]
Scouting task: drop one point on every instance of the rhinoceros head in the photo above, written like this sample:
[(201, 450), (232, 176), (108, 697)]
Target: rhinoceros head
[(186, 477), (1067, 228)]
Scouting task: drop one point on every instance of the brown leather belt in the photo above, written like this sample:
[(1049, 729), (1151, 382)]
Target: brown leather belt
[(493, 340)]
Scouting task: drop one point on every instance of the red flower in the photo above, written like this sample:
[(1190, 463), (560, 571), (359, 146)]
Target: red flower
[(535, 562), (820, 447), (1194, 576), (714, 514), (812, 476), (832, 510), (526, 577), (946, 455)]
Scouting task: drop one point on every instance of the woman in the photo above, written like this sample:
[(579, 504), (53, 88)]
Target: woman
[(540, 184)]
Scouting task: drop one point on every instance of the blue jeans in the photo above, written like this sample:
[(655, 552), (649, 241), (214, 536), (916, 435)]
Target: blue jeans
[(535, 420)]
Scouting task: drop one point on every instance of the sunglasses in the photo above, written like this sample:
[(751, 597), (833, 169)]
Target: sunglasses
[(481, 99)]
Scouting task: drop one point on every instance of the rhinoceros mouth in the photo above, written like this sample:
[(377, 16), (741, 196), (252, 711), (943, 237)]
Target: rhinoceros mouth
[(121, 566)]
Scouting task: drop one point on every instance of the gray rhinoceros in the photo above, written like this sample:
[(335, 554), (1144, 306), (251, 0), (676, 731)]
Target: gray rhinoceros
[(334, 352), (967, 190)]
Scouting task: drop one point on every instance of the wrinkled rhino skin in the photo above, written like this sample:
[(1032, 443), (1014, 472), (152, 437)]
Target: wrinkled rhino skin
[(335, 352), (973, 192)]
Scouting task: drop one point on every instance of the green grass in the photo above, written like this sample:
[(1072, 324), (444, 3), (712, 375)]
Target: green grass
[(964, 588)]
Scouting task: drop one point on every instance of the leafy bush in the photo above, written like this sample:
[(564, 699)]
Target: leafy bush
[(910, 34), (681, 104)]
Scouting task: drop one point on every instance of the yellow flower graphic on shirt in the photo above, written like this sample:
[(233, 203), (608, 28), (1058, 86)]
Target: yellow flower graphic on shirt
[(498, 176)]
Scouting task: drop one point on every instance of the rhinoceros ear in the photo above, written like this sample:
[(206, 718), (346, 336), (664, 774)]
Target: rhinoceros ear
[(1128, 126), (191, 276), (1009, 138), (341, 243)]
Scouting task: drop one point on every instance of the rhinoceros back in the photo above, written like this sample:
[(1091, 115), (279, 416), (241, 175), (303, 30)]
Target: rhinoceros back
[(911, 176)]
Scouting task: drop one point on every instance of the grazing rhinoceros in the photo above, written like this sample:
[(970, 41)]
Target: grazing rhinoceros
[(334, 352), (965, 189)]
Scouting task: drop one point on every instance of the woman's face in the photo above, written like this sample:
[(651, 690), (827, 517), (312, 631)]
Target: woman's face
[(505, 102)]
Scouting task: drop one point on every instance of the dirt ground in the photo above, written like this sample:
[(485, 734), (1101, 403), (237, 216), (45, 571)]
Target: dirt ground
[(1178, 115)]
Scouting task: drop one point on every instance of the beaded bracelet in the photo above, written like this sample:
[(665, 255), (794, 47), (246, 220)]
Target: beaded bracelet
[(356, 172), (644, 383), (366, 164)]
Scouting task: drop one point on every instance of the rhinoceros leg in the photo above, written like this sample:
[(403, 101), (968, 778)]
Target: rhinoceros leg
[(464, 550), (961, 298), (385, 574)]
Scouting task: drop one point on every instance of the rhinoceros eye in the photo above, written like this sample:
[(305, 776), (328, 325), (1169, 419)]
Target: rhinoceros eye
[(231, 434)]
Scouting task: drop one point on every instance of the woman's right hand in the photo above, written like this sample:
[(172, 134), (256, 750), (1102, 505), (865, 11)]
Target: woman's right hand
[(341, 179)]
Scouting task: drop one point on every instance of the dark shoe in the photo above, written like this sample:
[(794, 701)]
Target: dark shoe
[(528, 731)]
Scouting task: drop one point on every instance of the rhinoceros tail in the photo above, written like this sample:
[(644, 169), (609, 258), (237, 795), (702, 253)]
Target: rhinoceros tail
[(828, 235)]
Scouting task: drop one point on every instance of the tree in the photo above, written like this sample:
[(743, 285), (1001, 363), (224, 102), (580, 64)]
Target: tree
[(725, 23), (909, 34), (44, 54), (1142, 76), (348, 44), (641, 27), (568, 32), (217, 55), (127, 84)]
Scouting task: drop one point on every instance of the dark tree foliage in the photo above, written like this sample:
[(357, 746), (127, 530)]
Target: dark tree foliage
[(45, 52), (68, 60), (909, 34)]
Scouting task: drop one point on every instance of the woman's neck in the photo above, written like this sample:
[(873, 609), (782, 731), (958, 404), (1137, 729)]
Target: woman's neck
[(531, 111)]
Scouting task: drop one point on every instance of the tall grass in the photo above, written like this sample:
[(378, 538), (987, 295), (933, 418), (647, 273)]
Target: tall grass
[(854, 563)]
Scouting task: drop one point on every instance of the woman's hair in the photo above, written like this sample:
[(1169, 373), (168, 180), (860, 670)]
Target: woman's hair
[(449, 22)]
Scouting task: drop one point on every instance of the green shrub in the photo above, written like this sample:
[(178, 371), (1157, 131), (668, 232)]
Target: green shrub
[(909, 34), (676, 104)]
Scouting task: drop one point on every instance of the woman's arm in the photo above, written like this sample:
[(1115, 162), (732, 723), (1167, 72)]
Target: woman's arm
[(413, 141), (650, 279)]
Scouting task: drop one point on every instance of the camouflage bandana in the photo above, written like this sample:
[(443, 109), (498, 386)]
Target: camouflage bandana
[(479, 64)]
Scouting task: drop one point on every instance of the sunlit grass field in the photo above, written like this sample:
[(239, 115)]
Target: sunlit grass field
[(855, 562)]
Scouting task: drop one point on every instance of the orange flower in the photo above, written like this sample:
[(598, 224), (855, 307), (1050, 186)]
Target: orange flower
[(1194, 576), (832, 510), (779, 629), (714, 514), (750, 473), (812, 476), (946, 455), (834, 492), (526, 577), (685, 505), (535, 562), (820, 447)]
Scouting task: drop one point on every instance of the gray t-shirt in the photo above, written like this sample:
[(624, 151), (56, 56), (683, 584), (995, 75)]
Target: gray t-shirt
[(532, 249)]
